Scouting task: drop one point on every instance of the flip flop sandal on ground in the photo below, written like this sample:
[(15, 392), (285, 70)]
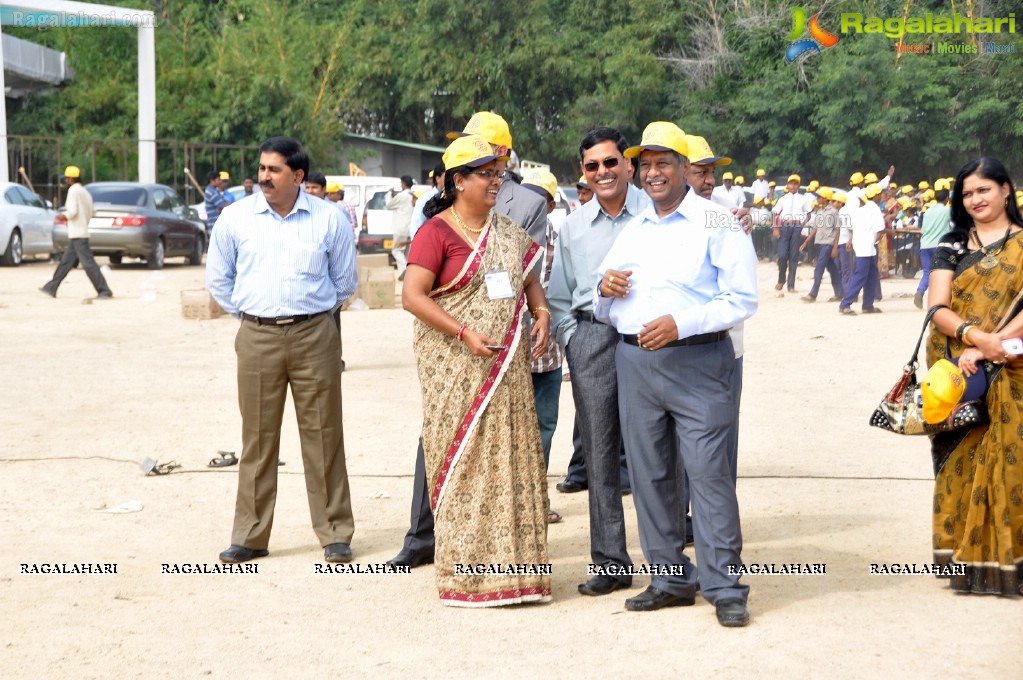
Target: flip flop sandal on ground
[(553, 517), (227, 458)]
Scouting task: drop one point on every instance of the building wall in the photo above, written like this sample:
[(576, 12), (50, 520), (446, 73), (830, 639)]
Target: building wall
[(383, 159)]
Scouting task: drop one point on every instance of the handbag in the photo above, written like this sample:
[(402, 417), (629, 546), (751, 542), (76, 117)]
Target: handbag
[(901, 410)]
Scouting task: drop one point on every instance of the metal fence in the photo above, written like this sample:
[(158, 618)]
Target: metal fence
[(43, 159)]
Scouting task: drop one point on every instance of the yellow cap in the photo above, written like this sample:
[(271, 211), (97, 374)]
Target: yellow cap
[(700, 153), (471, 150), (772, 183), (907, 189), (856, 178), (930, 204), (812, 186), (72, 171), (871, 191), (905, 202), (923, 185), (740, 180), (490, 126), (940, 184), (839, 196), (870, 178), (333, 188), (826, 193), (927, 195), (224, 174), (941, 389), (727, 175), (583, 183), (761, 172), (660, 136), (793, 178), (543, 179)]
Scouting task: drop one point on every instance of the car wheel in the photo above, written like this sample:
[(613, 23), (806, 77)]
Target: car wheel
[(12, 258), (155, 259), (197, 250), (116, 258)]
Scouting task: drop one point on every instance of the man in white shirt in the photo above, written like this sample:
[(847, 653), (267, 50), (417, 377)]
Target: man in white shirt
[(760, 188), (789, 216), (868, 223), (673, 305), (401, 203), (728, 195)]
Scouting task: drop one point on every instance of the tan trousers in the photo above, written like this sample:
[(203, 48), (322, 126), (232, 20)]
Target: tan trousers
[(307, 356)]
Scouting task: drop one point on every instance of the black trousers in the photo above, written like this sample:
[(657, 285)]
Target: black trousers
[(77, 251)]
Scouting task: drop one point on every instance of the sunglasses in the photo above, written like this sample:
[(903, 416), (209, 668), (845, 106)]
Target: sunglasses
[(608, 163), (490, 175)]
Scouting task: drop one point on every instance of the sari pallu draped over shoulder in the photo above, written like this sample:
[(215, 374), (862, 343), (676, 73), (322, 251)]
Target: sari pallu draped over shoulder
[(484, 459), (978, 489)]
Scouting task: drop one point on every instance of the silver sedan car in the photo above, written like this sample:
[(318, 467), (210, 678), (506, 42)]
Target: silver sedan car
[(26, 225)]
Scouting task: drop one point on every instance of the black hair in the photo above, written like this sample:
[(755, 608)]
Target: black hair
[(941, 195), (446, 197), (986, 167), (438, 170), (317, 178), (602, 134), (406, 180), (295, 156), (212, 175)]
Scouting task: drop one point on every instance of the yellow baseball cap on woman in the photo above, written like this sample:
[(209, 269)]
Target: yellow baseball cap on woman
[(471, 150), (489, 126), (700, 153), (660, 136)]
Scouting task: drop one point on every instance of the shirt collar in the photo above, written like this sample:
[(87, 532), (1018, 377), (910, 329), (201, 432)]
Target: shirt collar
[(259, 205), (634, 204), (692, 207)]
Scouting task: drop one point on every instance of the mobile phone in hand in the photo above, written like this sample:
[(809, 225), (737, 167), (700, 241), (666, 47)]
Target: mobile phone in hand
[(1013, 345), (495, 348)]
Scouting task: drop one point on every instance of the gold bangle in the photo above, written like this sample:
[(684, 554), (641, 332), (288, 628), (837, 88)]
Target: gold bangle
[(966, 330), (540, 309)]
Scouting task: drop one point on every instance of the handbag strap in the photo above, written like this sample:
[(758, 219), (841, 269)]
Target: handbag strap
[(913, 362)]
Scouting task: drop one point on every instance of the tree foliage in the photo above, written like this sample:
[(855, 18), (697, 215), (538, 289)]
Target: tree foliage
[(238, 71)]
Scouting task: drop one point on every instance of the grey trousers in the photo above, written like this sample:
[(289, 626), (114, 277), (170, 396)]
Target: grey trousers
[(420, 532), (78, 251), (591, 354), (685, 393)]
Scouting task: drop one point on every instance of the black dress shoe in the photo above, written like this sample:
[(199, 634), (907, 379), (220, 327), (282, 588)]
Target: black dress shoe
[(239, 553), (732, 612), (568, 486), (652, 599), (412, 558), (337, 552), (602, 584)]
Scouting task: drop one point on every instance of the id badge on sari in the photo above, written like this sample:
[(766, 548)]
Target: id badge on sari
[(498, 285)]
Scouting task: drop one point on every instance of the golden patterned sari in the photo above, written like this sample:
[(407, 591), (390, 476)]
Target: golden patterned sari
[(978, 489), (484, 460)]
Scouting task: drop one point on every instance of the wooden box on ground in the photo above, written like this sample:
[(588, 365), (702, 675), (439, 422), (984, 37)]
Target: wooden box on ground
[(199, 304), (376, 288)]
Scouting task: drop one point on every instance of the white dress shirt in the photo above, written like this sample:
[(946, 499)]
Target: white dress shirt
[(728, 198), (867, 223), (791, 207), (760, 189), (684, 264)]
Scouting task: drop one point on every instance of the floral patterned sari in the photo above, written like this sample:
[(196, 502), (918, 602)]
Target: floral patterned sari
[(484, 460), (978, 489)]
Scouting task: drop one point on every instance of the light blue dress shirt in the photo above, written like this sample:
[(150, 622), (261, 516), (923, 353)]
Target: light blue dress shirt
[(417, 213), (585, 237), (693, 264), (271, 266)]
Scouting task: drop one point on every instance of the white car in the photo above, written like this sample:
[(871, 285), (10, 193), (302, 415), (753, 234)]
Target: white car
[(26, 224), (237, 191)]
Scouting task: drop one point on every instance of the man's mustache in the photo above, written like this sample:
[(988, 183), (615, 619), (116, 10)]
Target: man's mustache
[(267, 185)]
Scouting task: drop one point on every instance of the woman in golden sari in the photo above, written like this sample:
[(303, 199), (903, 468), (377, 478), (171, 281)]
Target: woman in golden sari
[(978, 494), (468, 281)]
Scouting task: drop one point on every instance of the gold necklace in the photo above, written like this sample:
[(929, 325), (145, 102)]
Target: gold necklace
[(466, 227), (989, 261)]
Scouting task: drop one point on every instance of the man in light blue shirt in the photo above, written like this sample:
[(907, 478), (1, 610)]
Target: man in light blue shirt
[(281, 261), (675, 280), (585, 238)]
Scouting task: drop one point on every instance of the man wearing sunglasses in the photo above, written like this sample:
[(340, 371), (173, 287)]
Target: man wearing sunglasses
[(530, 212), (586, 236)]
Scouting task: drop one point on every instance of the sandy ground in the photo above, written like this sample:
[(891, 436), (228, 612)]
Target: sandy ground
[(90, 390)]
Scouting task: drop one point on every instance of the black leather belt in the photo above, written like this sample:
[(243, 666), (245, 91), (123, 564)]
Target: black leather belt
[(587, 316), (701, 339), (279, 320)]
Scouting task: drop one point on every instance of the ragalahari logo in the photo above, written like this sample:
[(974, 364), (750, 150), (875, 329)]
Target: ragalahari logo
[(819, 39)]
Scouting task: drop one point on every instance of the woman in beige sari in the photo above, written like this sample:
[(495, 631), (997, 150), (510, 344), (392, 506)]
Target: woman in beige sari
[(468, 282), (977, 271)]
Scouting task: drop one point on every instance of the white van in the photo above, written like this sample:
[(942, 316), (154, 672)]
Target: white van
[(359, 191)]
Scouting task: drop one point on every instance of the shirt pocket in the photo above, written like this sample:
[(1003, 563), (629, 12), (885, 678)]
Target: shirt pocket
[(310, 260)]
